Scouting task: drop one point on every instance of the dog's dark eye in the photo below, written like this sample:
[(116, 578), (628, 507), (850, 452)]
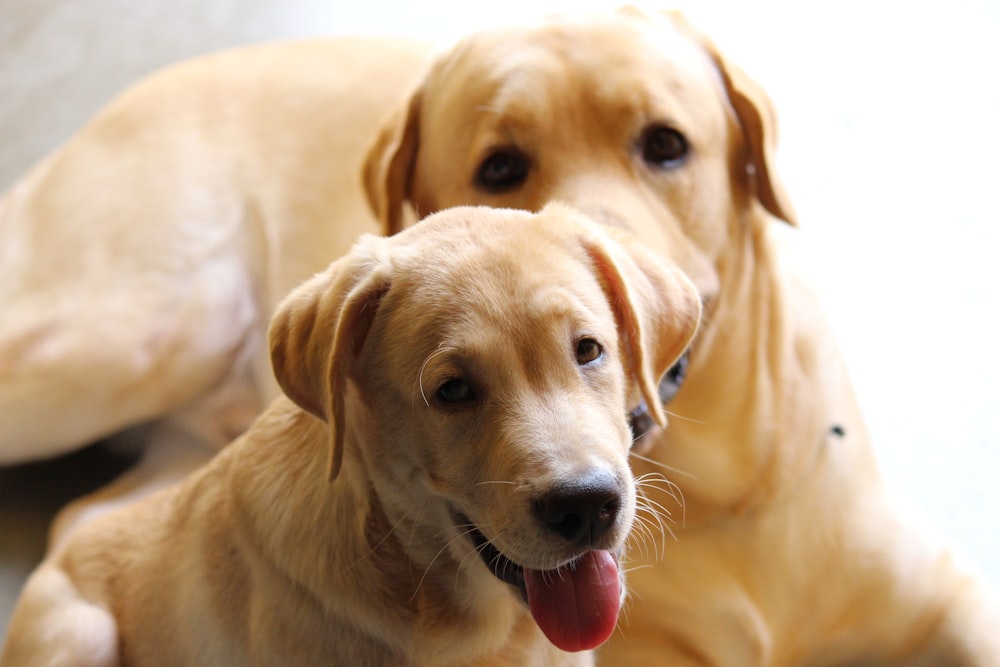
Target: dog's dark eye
[(663, 146), (588, 351), (455, 391), (503, 170)]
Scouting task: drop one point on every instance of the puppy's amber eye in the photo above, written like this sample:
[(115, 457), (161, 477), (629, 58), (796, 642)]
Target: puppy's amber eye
[(504, 169), (663, 146), (455, 391), (588, 351)]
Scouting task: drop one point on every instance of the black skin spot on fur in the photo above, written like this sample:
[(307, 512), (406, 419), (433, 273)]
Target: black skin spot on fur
[(838, 430)]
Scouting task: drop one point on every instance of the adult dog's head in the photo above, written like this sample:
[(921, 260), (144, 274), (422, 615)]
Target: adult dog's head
[(477, 371), (633, 118)]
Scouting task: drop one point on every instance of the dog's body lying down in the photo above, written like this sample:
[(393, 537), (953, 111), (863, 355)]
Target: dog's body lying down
[(145, 257), (472, 377), (141, 262), (793, 552)]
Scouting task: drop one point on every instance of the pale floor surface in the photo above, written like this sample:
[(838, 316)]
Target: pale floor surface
[(889, 148)]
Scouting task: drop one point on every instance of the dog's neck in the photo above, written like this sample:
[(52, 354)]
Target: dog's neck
[(352, 555), (751, 417)]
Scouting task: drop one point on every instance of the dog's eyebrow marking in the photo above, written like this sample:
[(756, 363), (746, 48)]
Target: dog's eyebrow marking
[(420, 374)]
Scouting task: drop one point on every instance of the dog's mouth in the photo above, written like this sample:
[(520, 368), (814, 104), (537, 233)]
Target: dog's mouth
[(502, 567), (576, 606)]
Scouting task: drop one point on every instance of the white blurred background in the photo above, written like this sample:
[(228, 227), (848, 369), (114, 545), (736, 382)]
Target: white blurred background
[(890, 148)]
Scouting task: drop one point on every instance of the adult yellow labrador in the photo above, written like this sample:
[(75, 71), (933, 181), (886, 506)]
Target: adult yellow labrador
[(447, 485), (792, 552)]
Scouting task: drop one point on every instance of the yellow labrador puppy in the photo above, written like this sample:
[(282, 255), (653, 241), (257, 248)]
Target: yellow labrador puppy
[(793, 552), (447, 485)]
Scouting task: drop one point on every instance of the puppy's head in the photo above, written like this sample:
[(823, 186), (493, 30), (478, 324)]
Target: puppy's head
[(632, 117), (480, 367)]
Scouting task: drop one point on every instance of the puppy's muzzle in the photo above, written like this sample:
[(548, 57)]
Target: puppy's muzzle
[(575, 604)]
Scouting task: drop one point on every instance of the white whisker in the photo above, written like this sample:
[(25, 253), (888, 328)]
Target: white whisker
[(653, 517), (658, 547), (636, 568), (469, 530), (644, 533), (650, 461), (420, 373), (657, 481), (388, 533), (477, 551), (666, 487), (690, 420)]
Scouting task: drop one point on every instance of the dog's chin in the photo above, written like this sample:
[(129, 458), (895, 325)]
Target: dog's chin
[(499, 565)]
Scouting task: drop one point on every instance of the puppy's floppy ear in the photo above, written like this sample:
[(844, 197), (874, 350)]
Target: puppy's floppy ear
[(317, 334), (758, 120), (657, 309), (389, 163)]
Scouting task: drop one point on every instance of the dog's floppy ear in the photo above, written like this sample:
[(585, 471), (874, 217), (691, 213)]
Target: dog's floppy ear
[(388, 167), (758, 120), (317, 334), (657, 309)]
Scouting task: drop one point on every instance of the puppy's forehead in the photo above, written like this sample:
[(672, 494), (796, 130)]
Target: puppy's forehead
[(490, 264)]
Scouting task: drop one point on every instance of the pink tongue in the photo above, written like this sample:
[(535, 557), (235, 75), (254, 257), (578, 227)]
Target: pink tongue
[(577, 606)]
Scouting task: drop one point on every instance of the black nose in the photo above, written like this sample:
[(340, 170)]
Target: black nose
[(581, 510)]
